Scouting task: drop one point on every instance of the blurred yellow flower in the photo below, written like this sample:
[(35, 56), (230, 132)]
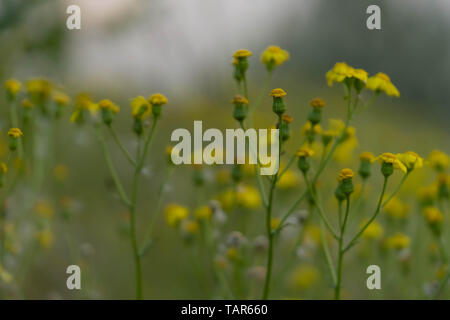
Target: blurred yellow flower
[(239, 99), (3, 168), (304, 152), (304, 277), (278, 93), (274, 56), (307, 128), (373, 231), (317, 103), (5, 276), (433, 215), (190, 226), (44, 238), (242, 53), (427, 194), (27, 104), (203, 212), (232, 254), (274, 223), (411, 160), (226, 199), (12, 87), (345, 174), (60, 98), (382, 83), (341, 71), (44, 209), (109, 105), (140, 107), (39, 89), (157, 99), (248, 197), (288, 180), (15, 133), (438, 160), (175, 213), (61, 172), (396, 208), (398, 241), (367, 156), (391, 158)]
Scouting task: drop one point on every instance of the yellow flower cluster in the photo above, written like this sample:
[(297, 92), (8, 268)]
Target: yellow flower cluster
[(381, 82), (15, 133), (345, 174), (274, 56), (278, 93), (391, 158), (175, 213), (108, 105), (342, 71)]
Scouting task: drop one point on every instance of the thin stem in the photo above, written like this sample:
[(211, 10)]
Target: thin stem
[(337, 289), (120, 145), (319, 208), (397, 189), (377, 211), (326, 252), (111, 167)]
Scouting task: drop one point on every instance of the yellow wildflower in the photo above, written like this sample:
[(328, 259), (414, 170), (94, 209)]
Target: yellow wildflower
[(203, 212), (5, 276), (27, 104), (381, 82), (45, 238), (274, 56), (288, 180), (391, 158), (345, 174), (108, 105), (398, 241), (248, 197), (427, 194), (317, 103), (304, 152), (44, 209), (397, 209), (367, 156), (39, 89), (3, 168), (60, 98), (411, 160), (190, 226), (232, 254), (61, 172), (317, 129), (83, 102), (157, 99), (175, 213), (242, 53), (433, 215), (140, 107), (239, 99), (304, 277), (373, 231), (226, 199), (278, 93), (438, 160), (12, 87), (15, 133), (274, 223), (341, 71)]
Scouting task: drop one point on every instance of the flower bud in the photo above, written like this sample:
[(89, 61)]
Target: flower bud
[(366, 159), (240, 107), (303, 154), (12, 87), (315, 115), (14, 135), (345, 179), (108, 110), (278, 106), (240, 63), (387, 169), (157, 100), (285, 131)]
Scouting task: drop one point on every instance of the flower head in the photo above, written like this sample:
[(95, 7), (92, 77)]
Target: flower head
[(239, 99), (278, 93), (398, 241), (15, 133), (317, 103), (39, 89), (274, 56), (438, 160), (342, 72), (61, 99), (396, 209), (410, 159), (391, 159), (3, 168), (12, 87), (175, 213), (242, 53), (304, 152), (203, 213), (433, 215), (367, 156), (107, 104), (382, 83), (373, 231), (345, 174), (140, 107), (157, 99)]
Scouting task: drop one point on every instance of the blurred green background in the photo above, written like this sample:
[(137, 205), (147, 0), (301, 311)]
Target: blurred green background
[(183, 49)]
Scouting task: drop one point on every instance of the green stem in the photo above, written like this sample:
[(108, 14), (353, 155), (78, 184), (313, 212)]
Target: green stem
[(377, 211), (111, 167), (326, 252), (397, 189), (337, 289), (120, 145)]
